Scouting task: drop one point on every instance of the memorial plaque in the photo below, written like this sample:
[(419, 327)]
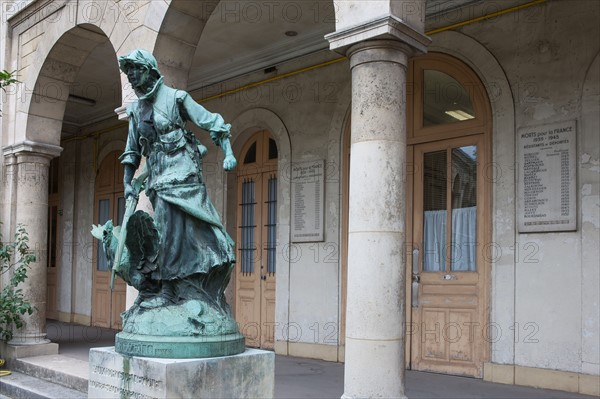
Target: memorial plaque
[(547, 178), (308, 200)]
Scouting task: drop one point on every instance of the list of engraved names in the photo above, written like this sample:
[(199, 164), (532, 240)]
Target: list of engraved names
[(308, 201), (547, 178)]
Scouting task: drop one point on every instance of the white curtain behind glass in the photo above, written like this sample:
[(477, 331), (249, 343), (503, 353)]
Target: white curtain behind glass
[(464, 223), (434, 241)]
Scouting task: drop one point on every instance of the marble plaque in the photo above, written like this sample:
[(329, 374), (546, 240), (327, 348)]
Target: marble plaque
[(547, 177), (308, 200)]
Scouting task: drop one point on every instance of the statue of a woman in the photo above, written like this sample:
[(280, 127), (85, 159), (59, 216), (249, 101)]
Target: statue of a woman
[(193, 244), (180, 259)]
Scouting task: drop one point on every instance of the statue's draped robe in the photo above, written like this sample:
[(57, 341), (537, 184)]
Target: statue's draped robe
[(192, 238)]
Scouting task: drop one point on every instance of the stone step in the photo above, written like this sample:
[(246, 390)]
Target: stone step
[(22, 386), (67, 371)]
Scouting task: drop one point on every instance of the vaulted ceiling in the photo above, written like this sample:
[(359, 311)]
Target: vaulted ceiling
[(239, 37)]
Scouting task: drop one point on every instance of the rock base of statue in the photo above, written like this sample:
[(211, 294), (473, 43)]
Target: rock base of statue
[(190, 329), (250, 374)]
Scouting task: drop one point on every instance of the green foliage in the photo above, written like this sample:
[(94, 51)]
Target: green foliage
[(15, 258), (6, 79)]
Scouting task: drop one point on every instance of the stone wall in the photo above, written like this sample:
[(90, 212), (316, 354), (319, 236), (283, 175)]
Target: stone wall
[(545, 298), (312, 107)]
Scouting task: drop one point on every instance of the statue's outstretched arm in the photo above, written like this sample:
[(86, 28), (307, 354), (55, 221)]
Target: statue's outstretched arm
[(229, 163), (214, 123)]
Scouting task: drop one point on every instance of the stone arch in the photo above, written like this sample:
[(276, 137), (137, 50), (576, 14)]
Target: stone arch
[(182, 26), (250, 121), (115, 145), (178, 36), (126, 25), (590, 118), (244, 126), (344, 189), (501, 171), (589, 205), (44, 116)]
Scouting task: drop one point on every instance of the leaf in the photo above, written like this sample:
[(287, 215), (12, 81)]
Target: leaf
[(16, 257)]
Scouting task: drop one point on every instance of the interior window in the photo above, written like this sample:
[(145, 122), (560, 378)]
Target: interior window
[(444, 99)]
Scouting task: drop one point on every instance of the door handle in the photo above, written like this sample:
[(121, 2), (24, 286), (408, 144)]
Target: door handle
[(416, 278), (263, 277)]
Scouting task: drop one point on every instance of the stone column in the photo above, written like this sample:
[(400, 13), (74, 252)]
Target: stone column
[(8, 196), (31, 210), (378, 50), (376, 257)]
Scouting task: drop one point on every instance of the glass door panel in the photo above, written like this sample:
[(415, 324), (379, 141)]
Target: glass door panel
[(434, 214), (450, 209), (464, 209)]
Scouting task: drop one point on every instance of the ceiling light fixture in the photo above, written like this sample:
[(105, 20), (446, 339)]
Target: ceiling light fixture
[(460, 115)]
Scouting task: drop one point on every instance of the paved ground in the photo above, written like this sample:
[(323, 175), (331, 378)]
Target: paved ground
[(306, 378)]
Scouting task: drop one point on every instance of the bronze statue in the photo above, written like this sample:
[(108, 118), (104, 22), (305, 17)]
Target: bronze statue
[(181, 259)]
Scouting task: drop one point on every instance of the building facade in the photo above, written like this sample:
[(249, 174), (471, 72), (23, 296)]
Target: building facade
[(417, 185)]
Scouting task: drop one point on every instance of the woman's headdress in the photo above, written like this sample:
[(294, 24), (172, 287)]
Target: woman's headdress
[(139, 57)]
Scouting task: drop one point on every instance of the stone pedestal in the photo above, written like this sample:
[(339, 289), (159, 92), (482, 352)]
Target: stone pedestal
[(248, 375)]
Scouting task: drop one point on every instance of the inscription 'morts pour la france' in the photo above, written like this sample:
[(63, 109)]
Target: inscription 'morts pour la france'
[(547, 177)]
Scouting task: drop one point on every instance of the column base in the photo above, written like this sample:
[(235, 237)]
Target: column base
[(248, 375), (11, 352), (29, 340)]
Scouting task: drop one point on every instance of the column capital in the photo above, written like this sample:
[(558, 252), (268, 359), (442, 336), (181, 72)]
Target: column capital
[(378, 51), (122, 112), (29, 148), (386, 27), (10, 159)]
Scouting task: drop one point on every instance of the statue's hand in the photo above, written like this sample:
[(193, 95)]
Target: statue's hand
[(229, 163), (130, 191)]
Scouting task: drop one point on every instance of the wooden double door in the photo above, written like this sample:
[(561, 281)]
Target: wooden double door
[(256, 241), (109, 204)]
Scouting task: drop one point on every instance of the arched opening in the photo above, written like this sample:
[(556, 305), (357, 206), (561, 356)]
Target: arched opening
[(256, 239), (78, 84), (245, 127), (73, 105), (448, 217)]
